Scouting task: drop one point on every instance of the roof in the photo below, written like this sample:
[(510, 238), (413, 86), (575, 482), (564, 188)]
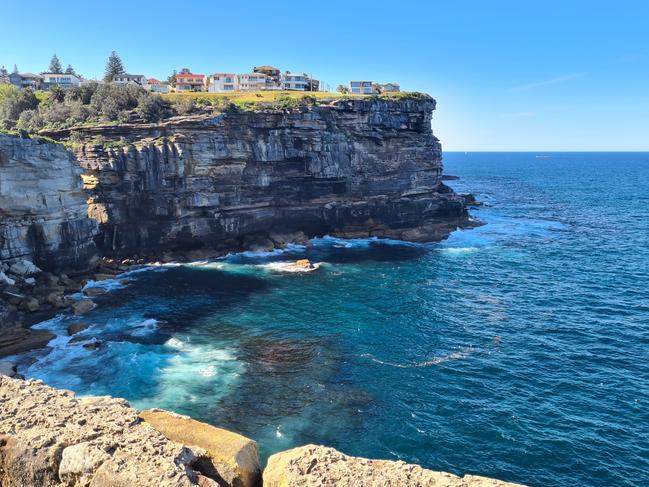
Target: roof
[(30, 75), (223, 74), (126, 75), (153, 81), (182, 75)]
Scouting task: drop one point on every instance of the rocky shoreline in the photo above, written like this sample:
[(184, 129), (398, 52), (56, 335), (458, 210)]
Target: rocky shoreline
[(105, 198), (50, 437)]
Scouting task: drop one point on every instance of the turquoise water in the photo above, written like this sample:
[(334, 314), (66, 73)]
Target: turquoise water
[(518, 350)]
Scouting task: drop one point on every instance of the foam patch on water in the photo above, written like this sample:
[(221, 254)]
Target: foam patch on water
[(290, 267), (460, 354), (146, 327)]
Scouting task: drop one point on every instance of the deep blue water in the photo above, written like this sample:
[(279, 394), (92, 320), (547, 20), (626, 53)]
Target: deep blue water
[(518, 350)]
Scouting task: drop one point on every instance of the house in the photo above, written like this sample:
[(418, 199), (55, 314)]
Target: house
[(130, 79), (219, 82), (253, 82), (296, 81), (361, 87), (273, 73), (190, 82), (156, 86), (388, 87), (62, 80), (26, 80)]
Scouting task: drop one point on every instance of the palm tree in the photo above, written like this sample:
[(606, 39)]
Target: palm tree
[(56, 94)]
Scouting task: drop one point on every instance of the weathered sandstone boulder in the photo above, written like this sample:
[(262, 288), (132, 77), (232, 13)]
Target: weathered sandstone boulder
[(48, 437), (235, 457), (311, 466)]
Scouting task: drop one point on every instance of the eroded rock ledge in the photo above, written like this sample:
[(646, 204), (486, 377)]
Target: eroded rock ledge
[(48, 437)]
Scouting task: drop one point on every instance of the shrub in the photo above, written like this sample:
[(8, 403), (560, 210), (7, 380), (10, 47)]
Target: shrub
[(185, 106), (152, 108), (30, 120), (14, 103)]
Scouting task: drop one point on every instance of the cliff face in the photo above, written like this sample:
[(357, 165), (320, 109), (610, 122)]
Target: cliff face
[(353, 168), (43, 210)]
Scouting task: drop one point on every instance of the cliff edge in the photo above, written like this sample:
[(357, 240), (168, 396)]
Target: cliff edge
[(49, 437)]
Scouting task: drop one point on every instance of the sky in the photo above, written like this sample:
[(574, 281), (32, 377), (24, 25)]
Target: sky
[(536, 75)]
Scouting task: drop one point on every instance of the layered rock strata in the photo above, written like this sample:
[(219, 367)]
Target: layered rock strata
[(43, 209), (352, 168)]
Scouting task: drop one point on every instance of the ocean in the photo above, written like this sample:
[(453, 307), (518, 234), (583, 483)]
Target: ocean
[(517, 350)]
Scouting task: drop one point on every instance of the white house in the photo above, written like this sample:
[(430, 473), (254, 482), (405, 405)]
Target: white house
[(361, 87), (133, 79), (295, 81), (59, 79), (253, 82), (220, 82)]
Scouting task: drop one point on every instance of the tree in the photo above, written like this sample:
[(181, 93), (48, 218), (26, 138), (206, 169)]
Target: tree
[(114, 66), (172, 79), (342, 89), (15, 71), (185, 71), (3, 71), (55, 65), (56, 94), (70, 70)]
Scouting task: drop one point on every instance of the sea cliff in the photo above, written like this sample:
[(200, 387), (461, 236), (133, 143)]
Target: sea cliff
[(352, 168)]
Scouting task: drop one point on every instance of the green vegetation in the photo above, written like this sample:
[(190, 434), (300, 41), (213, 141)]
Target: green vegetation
[(93, 102), (89, 103)]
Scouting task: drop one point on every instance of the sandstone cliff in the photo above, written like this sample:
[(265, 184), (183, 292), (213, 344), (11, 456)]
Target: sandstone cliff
[(43, 210), (48, 437), (352, 168)]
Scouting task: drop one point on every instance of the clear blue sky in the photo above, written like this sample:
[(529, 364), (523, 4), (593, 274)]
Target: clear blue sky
[(507, 75)]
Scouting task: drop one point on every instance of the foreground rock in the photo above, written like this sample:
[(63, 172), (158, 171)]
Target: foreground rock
[(311, 466), (48, 437), (235, 457)]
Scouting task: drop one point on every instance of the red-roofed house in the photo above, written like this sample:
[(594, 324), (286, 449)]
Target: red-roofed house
[(157, 86), (190, 82)]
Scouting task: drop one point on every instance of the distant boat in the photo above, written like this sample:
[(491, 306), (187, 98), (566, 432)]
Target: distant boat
[(542, 157)]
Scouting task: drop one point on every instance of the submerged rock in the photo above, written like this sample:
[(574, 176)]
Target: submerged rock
[(319, 466), (75, 328)]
